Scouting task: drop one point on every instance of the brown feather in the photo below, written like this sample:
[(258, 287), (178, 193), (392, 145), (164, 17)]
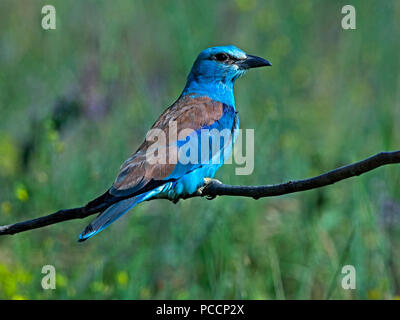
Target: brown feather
[(189, 113)]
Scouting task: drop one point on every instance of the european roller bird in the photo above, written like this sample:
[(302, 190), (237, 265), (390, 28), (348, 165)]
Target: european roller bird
[(206, 104)]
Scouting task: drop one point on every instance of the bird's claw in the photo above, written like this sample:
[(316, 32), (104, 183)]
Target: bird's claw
[(207, 182)]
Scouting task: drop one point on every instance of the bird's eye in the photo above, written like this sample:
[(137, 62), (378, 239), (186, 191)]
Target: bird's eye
[(221, 56)]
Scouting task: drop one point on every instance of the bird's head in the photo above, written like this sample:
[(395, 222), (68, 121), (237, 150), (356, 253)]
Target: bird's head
[(217, 68), (225, 63)]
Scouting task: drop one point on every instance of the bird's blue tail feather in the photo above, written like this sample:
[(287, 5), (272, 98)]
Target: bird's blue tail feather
[(111, 214)]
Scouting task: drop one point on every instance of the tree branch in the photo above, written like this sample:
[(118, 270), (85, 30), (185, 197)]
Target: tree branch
[(214, 188)]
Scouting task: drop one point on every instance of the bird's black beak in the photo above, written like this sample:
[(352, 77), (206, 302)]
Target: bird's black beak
[(253, 62)]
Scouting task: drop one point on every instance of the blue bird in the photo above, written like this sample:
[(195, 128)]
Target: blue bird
[(207, 104)]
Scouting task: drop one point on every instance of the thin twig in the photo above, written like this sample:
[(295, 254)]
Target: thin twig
[(214, 189)]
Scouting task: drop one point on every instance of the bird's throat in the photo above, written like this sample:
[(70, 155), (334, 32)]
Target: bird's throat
[(216, 90)]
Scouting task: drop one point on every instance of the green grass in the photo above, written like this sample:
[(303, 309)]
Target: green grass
[(111, 67)]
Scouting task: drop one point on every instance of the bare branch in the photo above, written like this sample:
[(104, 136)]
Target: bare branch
[(345, 172), (214, 188)]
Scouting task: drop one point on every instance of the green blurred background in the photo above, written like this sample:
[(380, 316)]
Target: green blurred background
[(76, 101)]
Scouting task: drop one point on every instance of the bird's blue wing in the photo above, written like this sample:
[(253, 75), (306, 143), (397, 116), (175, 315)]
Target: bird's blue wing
[(196, 114)]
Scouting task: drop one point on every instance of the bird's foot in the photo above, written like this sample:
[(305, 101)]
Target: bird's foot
[(207, 182)]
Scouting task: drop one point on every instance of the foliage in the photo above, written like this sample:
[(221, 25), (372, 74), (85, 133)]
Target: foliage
[(76, 101)]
